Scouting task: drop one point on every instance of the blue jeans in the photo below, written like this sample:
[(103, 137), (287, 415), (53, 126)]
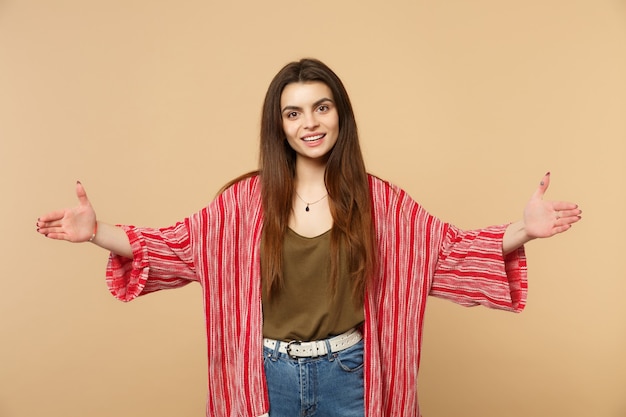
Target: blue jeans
[(326, 386)]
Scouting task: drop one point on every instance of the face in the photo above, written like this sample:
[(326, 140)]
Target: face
[(310, 119)]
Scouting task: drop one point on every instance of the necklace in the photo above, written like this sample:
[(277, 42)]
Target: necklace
[(310, 204)]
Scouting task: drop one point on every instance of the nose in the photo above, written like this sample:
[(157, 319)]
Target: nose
[(310, 120)]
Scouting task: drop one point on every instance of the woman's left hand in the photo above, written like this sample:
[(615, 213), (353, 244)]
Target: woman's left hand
[(547, 218)]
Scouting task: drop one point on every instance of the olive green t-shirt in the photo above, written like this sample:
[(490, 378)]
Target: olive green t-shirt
[(305, 309)]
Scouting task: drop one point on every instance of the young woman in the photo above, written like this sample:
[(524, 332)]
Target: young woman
[(315, 274)]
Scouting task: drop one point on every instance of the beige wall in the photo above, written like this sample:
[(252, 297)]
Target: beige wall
[(155, 104)]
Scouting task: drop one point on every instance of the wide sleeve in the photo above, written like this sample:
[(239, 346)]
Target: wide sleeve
[(472, 270), (162, 259), (463, 266)]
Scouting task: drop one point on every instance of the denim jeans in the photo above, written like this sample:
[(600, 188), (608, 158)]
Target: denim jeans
[(326, 386)]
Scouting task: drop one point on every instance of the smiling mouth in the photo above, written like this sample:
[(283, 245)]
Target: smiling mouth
[(313, 138)]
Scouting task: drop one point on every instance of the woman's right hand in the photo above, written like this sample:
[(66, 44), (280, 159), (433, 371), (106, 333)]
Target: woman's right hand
[(76, 224)]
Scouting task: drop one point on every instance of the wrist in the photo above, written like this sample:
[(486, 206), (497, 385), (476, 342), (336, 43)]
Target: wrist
[(95, 231), (515, 236)]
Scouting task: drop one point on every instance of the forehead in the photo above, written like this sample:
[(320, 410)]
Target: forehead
[(301, 94)]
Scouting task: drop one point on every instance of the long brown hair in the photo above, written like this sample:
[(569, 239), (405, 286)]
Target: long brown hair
[(345, 178)]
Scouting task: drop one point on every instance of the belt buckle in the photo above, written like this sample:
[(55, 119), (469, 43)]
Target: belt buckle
[(289, 345)]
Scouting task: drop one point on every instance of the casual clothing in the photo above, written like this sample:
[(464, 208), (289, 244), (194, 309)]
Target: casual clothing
[(305, 308), (324, 386), (419, 255)]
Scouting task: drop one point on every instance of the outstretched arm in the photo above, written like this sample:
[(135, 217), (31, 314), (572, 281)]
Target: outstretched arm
[(541, 219), (79, 224)]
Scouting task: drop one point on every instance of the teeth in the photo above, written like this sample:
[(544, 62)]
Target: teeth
[(312, 138)]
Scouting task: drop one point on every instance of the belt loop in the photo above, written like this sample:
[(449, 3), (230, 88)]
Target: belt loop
[(275, 351), (329, 352)]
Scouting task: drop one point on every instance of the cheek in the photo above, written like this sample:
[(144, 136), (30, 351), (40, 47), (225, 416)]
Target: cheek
[(289, 130), (289, 134)]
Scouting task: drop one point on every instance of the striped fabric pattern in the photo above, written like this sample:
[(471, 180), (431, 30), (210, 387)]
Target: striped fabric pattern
[(419, 256)]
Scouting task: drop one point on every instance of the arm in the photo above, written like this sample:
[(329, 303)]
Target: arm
[(541, 219), (79, 224)]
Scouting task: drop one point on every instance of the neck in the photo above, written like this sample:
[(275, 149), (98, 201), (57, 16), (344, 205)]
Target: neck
[(311, 213), (310, 176)]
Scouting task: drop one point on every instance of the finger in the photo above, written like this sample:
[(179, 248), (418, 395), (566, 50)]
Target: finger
[(57, 236), (565, 220), (543, 186), (52, 216), (567, 213), (51, 230), (569, 218), (81, 194), (565, 206), (561, 229), (49, 225)]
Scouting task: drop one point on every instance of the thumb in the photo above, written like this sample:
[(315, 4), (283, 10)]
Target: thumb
[(543, 186), (81, 194)]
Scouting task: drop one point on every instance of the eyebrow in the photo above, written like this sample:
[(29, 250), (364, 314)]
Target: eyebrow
[(317, 103)]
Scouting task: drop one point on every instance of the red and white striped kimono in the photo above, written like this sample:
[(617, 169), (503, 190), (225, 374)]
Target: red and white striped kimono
[(419, 255)]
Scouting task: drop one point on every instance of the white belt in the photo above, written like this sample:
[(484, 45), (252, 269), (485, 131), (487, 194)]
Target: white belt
[(297, 349)]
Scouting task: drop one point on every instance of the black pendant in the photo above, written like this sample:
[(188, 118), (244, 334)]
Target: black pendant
[(307, 208)]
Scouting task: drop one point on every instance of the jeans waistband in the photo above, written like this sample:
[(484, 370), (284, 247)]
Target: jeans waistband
[(313, 349)]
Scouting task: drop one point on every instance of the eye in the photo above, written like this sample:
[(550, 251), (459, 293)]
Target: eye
[(291, 115), (323, 108)]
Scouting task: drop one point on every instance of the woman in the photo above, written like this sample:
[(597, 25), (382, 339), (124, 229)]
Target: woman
[(311, 248)]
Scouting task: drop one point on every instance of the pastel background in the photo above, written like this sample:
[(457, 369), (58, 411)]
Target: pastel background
[(154, 105)]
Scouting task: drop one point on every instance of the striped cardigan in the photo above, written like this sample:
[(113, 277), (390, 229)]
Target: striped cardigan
[(419, 255)]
